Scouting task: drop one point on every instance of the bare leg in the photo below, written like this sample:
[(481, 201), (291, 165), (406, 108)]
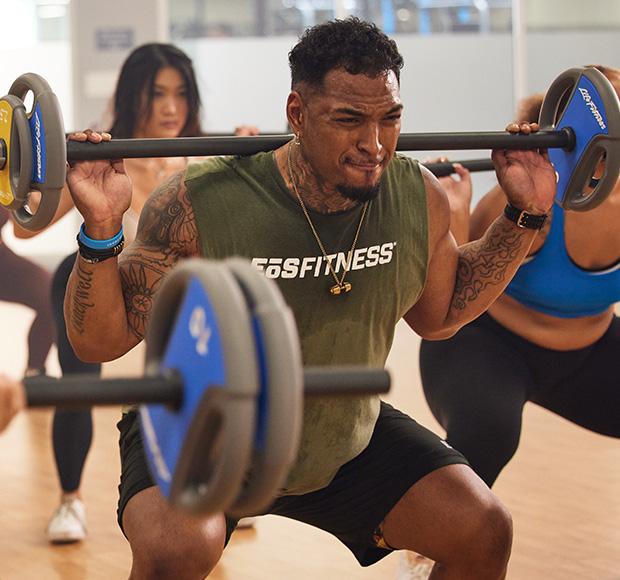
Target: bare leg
[(166, 543), (452, 517)]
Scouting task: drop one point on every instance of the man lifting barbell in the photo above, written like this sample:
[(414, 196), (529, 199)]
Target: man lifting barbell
[(311, 162), (365, 472)]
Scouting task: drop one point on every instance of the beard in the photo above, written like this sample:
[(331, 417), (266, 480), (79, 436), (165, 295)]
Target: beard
[(360, 194)]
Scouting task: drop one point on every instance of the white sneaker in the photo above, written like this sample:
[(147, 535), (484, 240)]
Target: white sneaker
[(412, 566), (245, 523), (68, 524)]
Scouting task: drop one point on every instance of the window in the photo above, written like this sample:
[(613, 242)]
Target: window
[(200, 18), (52, 20)]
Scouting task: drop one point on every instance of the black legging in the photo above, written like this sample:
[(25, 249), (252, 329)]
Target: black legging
[(477, 382), (23, 282), (72, 431)]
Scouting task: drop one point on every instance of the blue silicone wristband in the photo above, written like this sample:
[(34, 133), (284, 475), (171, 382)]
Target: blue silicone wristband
[(99, 244)]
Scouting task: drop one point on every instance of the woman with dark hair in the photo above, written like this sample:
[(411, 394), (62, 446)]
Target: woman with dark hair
[(156, 96), (137, 91)]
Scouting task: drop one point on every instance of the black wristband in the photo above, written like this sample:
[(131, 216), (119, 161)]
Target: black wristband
[(523, 219), (94, 256)]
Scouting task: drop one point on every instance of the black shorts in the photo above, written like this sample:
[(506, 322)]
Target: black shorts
[(354, 504)]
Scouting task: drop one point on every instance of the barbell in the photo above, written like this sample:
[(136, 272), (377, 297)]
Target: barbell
[(222, 396), (580, 125)]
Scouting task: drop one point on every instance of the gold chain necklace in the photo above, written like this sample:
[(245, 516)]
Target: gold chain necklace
[(340, 286)]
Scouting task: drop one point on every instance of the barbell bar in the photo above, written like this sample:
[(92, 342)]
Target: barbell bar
[(208, 146), (580, 125), (438, 168), (444, 168), (85, 390)]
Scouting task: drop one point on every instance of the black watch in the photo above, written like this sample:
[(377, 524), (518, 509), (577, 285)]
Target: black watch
[(524, 219)]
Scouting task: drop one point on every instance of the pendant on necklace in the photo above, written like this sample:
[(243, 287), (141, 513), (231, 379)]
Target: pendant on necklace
[(338, 289)]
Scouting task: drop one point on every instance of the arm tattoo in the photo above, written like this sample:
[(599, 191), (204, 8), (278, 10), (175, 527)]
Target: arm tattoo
[(140, 280), (485, 263), (82, 299), (167, 222), (166, 231)]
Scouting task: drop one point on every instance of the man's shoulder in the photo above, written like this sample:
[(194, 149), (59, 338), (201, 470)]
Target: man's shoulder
[(403, 173), (224, 165), (207, 166), (403, 162), (403, 167)]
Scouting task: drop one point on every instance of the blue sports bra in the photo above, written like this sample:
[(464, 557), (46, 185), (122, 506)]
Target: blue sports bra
[(552, 283)]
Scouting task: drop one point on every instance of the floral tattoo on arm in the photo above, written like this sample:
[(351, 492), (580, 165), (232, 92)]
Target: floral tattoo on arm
[(166, 232)]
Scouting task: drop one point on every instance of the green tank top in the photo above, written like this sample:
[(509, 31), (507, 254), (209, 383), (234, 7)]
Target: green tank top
[(243, 208)]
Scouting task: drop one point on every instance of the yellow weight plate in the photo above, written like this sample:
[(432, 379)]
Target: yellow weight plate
[(6, 125)]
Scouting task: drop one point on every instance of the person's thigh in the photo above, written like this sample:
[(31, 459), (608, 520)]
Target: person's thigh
[(452, 517), (590, 395), (23, 281), (476, 384), (400, 453)]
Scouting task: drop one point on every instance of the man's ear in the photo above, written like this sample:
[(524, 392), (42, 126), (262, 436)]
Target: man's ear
[(295, 112)]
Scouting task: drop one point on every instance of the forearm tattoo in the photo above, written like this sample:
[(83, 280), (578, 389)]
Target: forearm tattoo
[(166, 232), (82, 299), (485, 263)]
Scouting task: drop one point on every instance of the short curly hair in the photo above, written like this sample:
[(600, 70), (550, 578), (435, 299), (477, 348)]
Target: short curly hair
[(357, 46)]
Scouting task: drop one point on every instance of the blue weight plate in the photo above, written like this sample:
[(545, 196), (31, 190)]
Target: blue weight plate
[(592, 113), (280, 407), (199, 454)]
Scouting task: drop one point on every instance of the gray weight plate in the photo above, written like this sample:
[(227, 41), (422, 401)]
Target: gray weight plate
[(49, 151), (280, 407), (217, 447)]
